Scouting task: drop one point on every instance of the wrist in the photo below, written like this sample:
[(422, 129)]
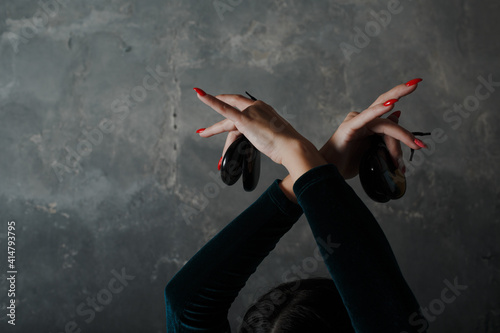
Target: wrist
[(302, 157), (331, 153), (286, 186)]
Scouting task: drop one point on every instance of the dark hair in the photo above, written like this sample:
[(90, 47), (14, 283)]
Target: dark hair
[(309, 305)]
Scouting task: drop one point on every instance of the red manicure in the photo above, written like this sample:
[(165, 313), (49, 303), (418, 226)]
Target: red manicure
[(200, 92), (220, 161), (396, 114), (420, 143), (413, 82), (390, 102), (200, 130)]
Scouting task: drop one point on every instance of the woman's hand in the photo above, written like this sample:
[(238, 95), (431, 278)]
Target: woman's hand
[(270, 133), (347, 145)]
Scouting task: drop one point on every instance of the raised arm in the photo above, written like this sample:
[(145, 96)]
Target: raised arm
[(362, 265), (201, 293), (199, 296)]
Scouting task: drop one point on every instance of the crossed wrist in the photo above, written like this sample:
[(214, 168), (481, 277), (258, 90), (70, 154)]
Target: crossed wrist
[(301, 157)]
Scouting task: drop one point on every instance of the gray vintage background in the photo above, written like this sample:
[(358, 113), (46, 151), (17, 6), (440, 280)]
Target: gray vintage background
[(139, 194)]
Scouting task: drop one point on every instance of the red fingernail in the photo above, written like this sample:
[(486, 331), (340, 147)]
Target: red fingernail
[(200, 130), (413, 82), (200, 92), (420, 143), (396, 114), (390, 102), (220, 162)]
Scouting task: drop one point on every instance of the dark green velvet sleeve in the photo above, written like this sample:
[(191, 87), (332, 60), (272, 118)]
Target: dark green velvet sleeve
[(359, 259), (361, 262), (199, 296)]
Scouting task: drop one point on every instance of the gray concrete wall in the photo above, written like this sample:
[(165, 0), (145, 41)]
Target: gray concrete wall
[(90, 207)]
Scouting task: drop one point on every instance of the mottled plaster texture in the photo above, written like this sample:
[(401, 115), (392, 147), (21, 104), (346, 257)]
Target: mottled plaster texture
[(103, 174)]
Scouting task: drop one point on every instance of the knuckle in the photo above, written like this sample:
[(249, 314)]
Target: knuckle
[(384, 96), (259, 103), (256, 104), (352, 114)]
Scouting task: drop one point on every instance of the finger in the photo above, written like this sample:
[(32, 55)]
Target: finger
[(238, 101), (393, 145), (398, 91), (368, 115), (221, 107), (389, 128), (222, 126), (395, 116), (231, 137), (351, 115)]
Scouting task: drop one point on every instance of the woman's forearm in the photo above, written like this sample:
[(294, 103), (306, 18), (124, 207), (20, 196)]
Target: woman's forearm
[(286, 186), (199, 296), (301, 157), (362, 264)]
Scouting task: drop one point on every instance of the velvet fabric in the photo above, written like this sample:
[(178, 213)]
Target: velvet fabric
[(354, 248)]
